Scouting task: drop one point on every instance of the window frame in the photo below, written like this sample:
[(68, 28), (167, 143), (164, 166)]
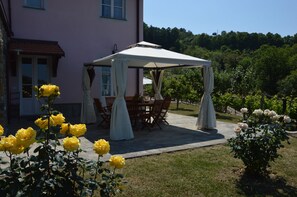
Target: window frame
[(28, 5), (106, 73), (113, 9)]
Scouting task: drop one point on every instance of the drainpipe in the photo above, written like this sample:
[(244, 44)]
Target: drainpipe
[(9, 16), (137, 40), (7, 62)]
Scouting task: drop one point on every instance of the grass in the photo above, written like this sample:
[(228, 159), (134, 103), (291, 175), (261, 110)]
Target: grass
[(192, 110), (210, 171)]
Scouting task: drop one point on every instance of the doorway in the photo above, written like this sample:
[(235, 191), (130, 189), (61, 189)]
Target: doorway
[(33, 71)]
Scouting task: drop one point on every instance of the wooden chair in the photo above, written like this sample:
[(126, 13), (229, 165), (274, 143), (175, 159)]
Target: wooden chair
[(109, 101), (153, 117), (165, 107), (133, 109), (103, 111)]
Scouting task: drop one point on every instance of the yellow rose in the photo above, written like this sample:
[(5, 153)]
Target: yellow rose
[(26, 137), (78, 129), (117, 161), (1, 130), (17, 149), (49, 90), (57, 119), (42, 123), (64, 128), (71, 143), (10, 144), (1, 146), (101, 147)]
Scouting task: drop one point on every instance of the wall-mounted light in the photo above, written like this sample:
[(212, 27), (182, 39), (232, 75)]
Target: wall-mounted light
[(18, 51), (115, 48)]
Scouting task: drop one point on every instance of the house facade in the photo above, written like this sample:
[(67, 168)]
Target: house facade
[(53, 39), (4, 35)]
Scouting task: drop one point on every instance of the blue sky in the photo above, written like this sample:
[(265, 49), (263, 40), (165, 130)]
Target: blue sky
[(209, 16)]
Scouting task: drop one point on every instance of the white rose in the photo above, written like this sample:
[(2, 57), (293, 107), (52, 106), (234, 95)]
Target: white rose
[(287, 119), (244, 110), (272, 113), (237, 130), (266, 112), (275, 118), (243, 125), (258, 112)]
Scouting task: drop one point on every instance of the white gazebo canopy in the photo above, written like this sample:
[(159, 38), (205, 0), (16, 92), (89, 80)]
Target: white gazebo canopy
[(152, 56), (148, 55), (146, 81)]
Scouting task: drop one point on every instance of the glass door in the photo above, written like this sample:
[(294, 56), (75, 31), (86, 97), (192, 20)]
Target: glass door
[(34, 71)]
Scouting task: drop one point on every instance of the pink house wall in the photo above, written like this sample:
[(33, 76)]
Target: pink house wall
[(82, 34)]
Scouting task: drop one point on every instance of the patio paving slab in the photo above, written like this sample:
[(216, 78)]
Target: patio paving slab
[(180, 134)]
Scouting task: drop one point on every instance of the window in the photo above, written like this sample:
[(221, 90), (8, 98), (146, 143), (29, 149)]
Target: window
[(39, 4), (106, 82), (113, 9)]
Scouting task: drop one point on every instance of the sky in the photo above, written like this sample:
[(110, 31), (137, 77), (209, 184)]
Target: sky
[(215, 16)]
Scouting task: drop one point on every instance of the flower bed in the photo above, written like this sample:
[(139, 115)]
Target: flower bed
[(258, 137), (52, 171)]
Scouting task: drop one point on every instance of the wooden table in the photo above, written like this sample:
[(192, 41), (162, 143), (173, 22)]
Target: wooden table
[(137, 111)]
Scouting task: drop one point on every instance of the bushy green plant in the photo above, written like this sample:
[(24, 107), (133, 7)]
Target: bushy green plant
[(258, 138), (253, 102), (292, 107), (274, 103), (51, 170)]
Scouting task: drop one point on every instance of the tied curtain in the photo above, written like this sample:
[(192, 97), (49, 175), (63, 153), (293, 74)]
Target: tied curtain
[(87, 108), (120, 125), (207, 117), (157, 76)]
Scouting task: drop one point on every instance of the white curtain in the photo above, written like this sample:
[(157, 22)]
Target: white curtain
[(157, 76), (87, 108), (120, 125), (207, 117)]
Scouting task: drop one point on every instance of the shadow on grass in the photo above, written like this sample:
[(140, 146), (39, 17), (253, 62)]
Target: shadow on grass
[(184, 111), (265, 186), (227, 117)]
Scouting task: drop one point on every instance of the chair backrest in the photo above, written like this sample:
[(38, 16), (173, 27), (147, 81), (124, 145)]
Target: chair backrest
[(99, 106), (109, 101), (132, 108), (157, 107), (166, 104)]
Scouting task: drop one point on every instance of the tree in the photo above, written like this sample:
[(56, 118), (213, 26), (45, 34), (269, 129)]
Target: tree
[(242, 82), (271, 65), (287, 86), (176, 88)]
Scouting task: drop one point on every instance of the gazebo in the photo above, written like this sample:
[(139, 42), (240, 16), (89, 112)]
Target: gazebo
[(148, 56)]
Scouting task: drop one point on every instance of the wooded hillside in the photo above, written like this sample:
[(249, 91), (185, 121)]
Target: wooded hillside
[(251, 69)]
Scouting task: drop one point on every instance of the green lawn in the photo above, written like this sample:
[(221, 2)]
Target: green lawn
[(210, 171), (192, 110)]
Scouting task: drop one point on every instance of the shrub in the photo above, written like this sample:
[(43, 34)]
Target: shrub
[(258, 138), (52, 170)]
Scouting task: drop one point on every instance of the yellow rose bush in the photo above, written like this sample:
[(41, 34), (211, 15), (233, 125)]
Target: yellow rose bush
[(1, 130), (117, 161), (49, 170), (101, 147), (49, 90), (71, 143), (78, 129), (25, 137)]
